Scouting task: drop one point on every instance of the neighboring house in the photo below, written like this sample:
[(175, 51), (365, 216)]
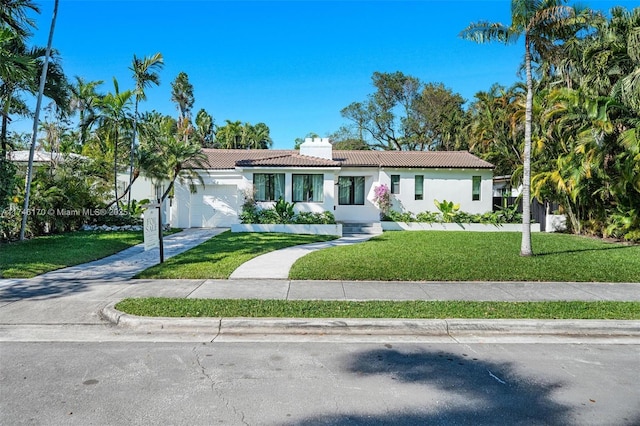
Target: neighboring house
[(318, 179), (40, 157)]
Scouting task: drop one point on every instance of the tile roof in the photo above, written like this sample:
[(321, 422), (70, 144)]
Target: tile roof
[(231, 158)]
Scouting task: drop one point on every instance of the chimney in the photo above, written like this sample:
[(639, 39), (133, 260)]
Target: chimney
[(317, 147)]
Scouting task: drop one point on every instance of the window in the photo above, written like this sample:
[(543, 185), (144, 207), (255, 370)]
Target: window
[(351, 190), (308, 188), (268, 186), (419, 187), (475, 188), (395, 184)]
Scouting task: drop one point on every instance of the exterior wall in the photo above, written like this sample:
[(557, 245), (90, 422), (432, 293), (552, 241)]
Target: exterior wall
[(440, 184), (187, 208), (365, 213), (313, 207), (455, 185), (144, 189)]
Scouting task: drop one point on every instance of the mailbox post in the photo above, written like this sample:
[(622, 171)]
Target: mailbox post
[(153, 228)]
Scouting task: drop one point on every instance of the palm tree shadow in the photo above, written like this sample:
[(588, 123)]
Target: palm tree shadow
[(557, 252), (470, 391), (40, 289)]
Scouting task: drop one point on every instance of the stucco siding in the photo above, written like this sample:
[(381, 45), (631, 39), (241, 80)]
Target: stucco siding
[(451, 185)]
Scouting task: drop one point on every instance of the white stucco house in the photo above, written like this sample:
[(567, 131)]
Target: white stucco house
[(317, 178)]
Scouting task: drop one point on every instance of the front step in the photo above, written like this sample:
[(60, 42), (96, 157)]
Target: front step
[(351, 228)]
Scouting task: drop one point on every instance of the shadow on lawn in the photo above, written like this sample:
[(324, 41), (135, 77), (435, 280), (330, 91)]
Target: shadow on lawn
[(459, 389), (594, 249)]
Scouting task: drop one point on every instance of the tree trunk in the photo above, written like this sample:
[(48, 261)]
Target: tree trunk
[(133, 146), (525, 247), (115, 167), (36, 118)]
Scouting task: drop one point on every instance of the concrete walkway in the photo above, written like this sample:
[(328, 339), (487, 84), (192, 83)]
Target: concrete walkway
[(276, 265), (127, 263)]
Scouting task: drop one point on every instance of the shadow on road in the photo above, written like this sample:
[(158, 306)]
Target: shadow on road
[(464, 389), (40, 289)]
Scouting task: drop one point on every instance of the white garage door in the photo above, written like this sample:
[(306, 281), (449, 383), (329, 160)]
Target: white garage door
[(214, 206)]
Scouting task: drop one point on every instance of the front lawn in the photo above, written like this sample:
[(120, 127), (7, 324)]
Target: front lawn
[(26, 259), (165, 307), (221, 255), (472, 256)]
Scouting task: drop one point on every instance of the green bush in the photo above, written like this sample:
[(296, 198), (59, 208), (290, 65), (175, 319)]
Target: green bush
[(283, 213)]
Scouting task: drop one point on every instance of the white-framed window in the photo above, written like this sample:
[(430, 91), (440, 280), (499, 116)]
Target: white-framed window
[(419, 187), (268, 186), (476, 182), (395, 184), (351, 190), (308, 188)]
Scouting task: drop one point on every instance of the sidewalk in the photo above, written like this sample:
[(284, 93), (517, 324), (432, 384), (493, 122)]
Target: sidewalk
[(84, 295)]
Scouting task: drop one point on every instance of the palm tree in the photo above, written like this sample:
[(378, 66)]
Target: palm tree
[(164, 156), (259, 137), (182, 95), (43, 78), (204, 131), (85, 100), (542, 22), (13, 15), (19, 70), (114, 117), (145, 73)]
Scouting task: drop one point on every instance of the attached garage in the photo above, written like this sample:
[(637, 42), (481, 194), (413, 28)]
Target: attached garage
[(214, 206)]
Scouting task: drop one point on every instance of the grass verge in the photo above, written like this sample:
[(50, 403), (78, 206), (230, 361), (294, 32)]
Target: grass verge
[(221, 255), (472, 256), (167, 307), (26, 259)]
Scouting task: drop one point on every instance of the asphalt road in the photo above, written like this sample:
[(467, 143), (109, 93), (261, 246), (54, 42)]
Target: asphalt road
[(307, 382)]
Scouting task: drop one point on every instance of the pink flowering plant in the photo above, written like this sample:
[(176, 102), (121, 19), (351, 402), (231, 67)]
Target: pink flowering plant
[(382, 198)]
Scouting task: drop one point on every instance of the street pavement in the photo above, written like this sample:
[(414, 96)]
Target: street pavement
[(86, 295)]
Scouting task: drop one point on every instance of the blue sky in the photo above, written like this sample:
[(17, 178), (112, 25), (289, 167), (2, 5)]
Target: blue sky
[(290, 64)]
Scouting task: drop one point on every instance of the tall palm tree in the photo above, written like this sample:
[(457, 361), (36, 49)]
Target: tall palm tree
[(145, 74), (542, 22), (114, 117), (85, 100), (182, 95), (43, 78)]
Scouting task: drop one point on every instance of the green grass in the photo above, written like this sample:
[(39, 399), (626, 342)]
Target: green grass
[(221, 255), (165, 307), (29, 258), (473, 256)]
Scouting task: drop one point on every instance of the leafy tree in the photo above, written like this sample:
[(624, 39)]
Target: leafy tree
[(384, 115), (405, 114), (542, 23), (346, 139), (493, 130)]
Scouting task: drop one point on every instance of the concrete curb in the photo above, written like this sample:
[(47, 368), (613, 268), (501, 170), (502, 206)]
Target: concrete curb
[(358, 326)]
